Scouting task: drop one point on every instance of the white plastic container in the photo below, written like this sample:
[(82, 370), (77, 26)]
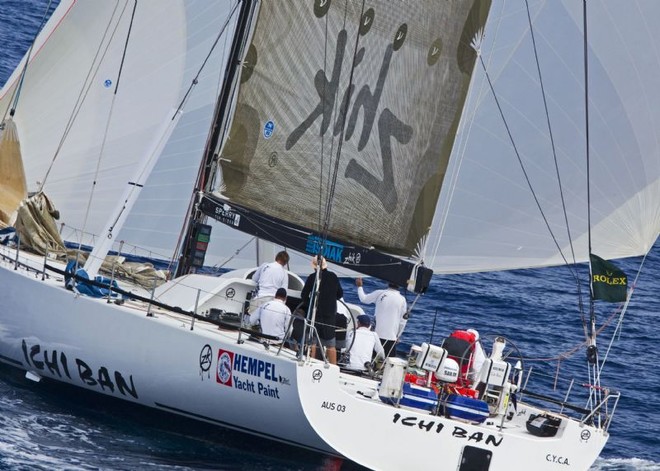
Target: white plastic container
[(430, 357), (448, 372), (390, 389)]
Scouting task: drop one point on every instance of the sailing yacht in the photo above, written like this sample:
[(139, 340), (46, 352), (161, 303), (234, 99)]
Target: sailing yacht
[(388, 137)]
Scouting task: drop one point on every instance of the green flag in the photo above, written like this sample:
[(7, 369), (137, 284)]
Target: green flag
[(607, 281)]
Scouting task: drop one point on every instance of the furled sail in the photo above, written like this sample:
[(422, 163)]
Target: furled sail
[(36, 226), (350, 106)]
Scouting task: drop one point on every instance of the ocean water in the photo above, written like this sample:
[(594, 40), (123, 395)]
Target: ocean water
[(50, 427)]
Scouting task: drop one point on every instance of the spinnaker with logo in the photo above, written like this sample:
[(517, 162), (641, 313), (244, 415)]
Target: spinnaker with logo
[(398, 140)]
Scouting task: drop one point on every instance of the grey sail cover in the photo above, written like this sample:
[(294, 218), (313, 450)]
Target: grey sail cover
[(401, 72)]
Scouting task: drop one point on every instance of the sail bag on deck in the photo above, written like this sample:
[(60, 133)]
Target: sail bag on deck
[(35, 224)]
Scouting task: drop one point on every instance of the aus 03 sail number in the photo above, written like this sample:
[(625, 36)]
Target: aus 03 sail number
[(333, 406)]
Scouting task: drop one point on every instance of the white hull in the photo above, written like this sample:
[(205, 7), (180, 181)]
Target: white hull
[(154, 361), (389, 438), (160, 362)]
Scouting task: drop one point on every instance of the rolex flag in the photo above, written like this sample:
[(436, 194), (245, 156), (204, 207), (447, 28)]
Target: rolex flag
[(607, 281)]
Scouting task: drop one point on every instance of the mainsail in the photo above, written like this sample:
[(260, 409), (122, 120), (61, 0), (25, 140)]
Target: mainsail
[(345, 118)]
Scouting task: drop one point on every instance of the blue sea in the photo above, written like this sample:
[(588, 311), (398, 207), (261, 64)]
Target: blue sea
[(51, 427)]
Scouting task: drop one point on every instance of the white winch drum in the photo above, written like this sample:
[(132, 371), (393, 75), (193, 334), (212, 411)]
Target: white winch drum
[(494, 372), (430, 357), (391, 386), (448, 371)]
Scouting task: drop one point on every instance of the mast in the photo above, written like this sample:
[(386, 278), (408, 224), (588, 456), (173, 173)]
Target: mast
[(592, 352), (208, 163)]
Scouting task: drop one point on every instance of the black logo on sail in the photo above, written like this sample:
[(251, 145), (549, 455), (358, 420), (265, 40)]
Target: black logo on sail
[(608, 283)]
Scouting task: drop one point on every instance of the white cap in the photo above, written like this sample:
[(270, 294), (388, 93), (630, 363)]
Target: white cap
[(476, 334)]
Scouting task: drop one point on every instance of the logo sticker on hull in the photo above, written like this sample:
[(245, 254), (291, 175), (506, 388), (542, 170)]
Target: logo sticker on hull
[(225, 362), (205, 360)]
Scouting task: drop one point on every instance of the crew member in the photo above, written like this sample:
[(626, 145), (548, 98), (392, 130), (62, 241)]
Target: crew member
[(390, 314), (365, 344), (329, 291), (273, 315), (269, 277)]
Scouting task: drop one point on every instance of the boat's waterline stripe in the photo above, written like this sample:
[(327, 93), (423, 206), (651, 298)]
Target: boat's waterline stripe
[(238, 427), (11, 360)]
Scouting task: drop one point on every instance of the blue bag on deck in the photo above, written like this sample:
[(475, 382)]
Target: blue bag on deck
[(87, 288)]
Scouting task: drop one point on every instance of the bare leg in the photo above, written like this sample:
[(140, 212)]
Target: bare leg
[(331, 352)]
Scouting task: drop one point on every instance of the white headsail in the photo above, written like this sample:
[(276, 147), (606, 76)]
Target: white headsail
[(73, 73), (492, 220)]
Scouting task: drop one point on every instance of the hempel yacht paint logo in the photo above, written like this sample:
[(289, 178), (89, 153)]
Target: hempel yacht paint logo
[(225, 362)]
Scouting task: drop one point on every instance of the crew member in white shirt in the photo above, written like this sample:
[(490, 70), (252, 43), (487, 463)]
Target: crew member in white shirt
[(273, 315), (365, 344), (390, 313), (269, 278)]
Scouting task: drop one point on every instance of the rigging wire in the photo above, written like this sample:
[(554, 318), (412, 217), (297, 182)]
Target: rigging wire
[(619, 325), (87, 85), (195, 80), (219, 266), (325, 74), (321, 224), (554, 155), (109, 120), (17, 91), (592, 350), (193, 84), (333, 185), (312, 308), (522, 167)]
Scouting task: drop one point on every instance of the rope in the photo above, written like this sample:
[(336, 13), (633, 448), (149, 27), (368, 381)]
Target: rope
[(107, 124), (522, 165), (569, 353), (346, 103), (87, 85), (554, 155)]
